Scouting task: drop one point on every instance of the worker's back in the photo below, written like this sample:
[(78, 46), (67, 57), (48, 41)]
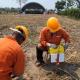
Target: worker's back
[(9, 49)]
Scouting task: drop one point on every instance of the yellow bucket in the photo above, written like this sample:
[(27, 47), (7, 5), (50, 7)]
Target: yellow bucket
[(57, 54), (58, 50)]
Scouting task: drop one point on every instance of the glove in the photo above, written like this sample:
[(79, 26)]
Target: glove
[(48, 44), (66, 45), (52, 45)]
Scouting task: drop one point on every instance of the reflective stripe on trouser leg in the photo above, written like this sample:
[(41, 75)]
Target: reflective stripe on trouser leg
[(61, 53), (53, 58)]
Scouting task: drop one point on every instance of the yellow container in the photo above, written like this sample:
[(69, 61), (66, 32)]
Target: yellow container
[(57, 54)]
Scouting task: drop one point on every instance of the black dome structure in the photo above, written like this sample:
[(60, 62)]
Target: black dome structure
[(33, 8)]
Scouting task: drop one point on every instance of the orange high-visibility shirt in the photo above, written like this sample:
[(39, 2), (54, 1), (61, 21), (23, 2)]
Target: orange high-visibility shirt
[(55, 38), (11, 58)]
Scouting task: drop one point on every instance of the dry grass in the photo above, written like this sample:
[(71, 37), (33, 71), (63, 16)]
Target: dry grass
[(37, 22)]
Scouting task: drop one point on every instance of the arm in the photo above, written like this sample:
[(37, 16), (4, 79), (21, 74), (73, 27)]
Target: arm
[(43, 41), (66, 38), (42, 38)]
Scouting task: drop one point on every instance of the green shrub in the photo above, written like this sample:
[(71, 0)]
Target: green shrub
[(75, 13)]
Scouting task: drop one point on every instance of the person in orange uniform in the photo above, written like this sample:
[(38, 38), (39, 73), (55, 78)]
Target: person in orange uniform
[(12, 59), (51, 35)]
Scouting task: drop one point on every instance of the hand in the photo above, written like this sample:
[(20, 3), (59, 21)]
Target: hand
[(53, 46), (66, 45), (48, 44)]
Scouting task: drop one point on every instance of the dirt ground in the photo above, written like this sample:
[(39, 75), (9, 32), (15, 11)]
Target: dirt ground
[(70, 70)]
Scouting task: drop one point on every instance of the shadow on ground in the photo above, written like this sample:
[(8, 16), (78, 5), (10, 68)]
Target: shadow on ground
[(64, 69)]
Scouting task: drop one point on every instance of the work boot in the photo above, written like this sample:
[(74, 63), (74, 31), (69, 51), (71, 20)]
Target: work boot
[(38, 63)]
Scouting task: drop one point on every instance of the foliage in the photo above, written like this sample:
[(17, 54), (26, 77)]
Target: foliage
[(78, 1), (60, 5), (9, 10), (68, 8), (72, 3), (75, 13)]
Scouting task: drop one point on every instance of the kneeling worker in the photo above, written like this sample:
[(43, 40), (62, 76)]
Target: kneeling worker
[(51, 35), (12, 59)]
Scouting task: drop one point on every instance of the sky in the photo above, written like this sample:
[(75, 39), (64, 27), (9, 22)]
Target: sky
[(48, 4)]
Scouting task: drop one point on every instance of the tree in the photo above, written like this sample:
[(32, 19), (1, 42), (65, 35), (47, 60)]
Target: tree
[(20, 2), (78, 1), (72, 3), (60, 5)]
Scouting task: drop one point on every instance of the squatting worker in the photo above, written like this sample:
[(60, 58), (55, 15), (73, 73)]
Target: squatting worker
[(12, 59), (51, 35)]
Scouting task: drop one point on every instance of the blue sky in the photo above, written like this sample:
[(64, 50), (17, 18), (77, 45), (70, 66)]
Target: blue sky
[(49, 4), (8, 3)]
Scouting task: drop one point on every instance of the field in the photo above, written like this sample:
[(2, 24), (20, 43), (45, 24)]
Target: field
[(71, 69)]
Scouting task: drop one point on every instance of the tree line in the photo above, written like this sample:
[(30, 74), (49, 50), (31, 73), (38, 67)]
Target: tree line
[(69, 8), (13, 10), (9, 10)]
